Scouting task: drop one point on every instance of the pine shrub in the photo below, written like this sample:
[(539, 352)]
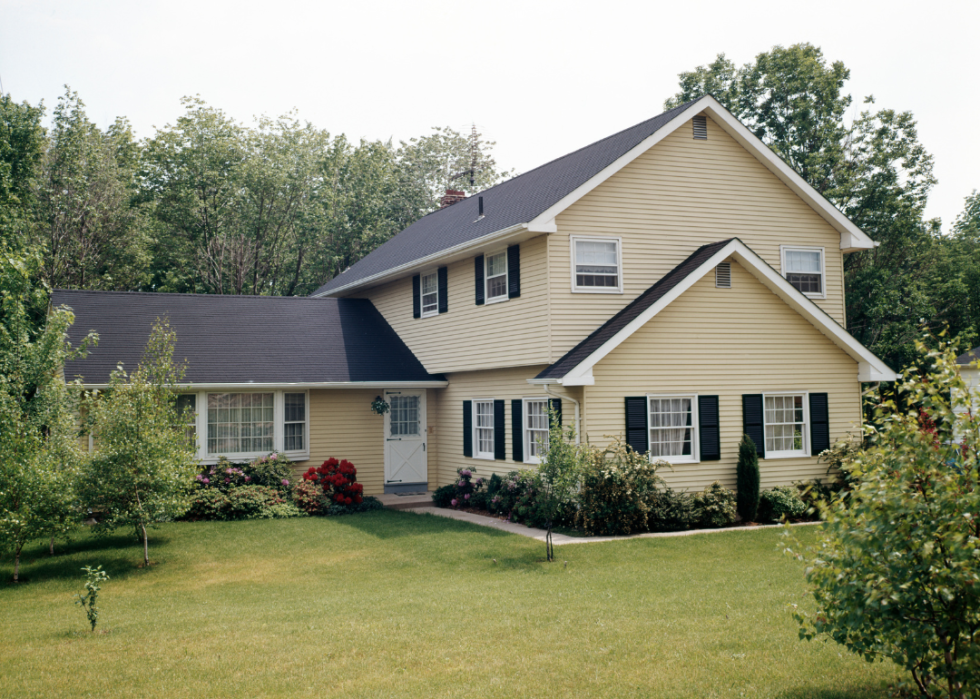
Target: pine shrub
[(747, 474)]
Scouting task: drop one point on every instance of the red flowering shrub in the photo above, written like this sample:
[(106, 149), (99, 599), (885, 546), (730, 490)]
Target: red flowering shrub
[(338, 479)]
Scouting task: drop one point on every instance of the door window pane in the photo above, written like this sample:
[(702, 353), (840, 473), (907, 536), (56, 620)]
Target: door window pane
[(404, 414)]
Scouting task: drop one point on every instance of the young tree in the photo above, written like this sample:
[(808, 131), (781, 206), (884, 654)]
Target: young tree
[(39, 451), (895, 571), (747, 476), (558, 474), (143, 467)]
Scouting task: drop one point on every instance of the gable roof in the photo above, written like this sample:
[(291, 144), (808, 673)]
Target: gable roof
[(244, 340), (969, 357), (575, 367), (531, 201)]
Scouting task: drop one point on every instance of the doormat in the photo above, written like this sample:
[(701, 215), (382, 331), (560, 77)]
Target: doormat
[(417, 492)]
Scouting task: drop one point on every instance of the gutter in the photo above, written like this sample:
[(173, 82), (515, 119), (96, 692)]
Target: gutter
[(578, 414), (423, 261)]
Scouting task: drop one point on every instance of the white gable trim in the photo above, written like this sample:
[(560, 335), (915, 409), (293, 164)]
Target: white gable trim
[(870, 368), (852, 238)]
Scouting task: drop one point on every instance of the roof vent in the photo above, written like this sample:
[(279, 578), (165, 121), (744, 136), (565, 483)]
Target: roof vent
[(701, 128), (723, 275)]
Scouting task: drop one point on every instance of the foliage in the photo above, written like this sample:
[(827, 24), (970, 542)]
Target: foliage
[(464, 488), (39, 452), (444, 495), (309, 497), (619, 489), (873, 169), (338, 480), (895, 572), (380, 406), (273, 471), (671, 511), (89, 601), (22, 143), (222, 476), (714, 506), (747, 474), (781, 503), (241, 502), (91, 234), (144, 464)]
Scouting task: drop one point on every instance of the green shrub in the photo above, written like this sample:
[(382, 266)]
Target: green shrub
[(310, 498), (671, 511), (619, 489), (747, 474), (207, 504), (781, 502), (272, 471), (493, 485), (714, 506), (241, 502), (367, 504), (443, 496), (479, 500)]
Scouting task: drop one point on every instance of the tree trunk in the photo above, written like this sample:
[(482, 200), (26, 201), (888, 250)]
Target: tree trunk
[(549, 545), (52, 546), (17, 564), (146, 547)]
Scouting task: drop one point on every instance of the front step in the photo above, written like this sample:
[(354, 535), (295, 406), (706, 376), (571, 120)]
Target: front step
[(394, 501)]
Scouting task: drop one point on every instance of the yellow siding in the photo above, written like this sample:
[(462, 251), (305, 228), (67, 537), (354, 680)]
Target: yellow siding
[(342, 425), (470, 337), (726, 342), (504, 384), (679, 195)]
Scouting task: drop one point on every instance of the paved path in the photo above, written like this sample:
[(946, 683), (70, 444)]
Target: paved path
[(556, 538)]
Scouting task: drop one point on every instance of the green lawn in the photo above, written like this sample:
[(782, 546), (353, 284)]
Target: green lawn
[(390, 604)]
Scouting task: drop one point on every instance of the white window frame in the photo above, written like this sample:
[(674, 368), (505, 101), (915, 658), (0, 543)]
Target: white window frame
[(695, 457), (783, 249), (305, 421), (477, 454), (422, 295), (619, 264), (278, 430), (526, 430), (486, 277), (794, 453)]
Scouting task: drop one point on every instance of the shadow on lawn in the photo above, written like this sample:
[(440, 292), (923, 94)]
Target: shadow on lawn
[(392, 524), (119, 555), (856, 693)]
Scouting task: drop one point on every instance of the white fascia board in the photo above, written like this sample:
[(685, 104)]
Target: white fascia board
[(515, 233), (585, 379), (852, 238), (304, 384), (775, 283)]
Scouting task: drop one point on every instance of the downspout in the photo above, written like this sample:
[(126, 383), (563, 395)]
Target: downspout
[(578, 418)]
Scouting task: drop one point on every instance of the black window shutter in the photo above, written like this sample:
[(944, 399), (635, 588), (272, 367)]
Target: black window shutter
[(467, 428), (514, 271), (752, 421), (499, 431), (708, 434), (443, 289), (637, 434), (819, 423), (555, 404), (417, 296), (517, 429), (478, 268)]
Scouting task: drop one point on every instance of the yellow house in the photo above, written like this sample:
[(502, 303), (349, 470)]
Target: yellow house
[(675, 283)]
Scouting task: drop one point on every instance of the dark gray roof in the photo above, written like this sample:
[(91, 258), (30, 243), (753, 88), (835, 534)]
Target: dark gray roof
[(607, 330), (242, 339), (969, 357), (518, 200)]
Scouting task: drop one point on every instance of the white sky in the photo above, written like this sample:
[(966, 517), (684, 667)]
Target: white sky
[(540, 78)]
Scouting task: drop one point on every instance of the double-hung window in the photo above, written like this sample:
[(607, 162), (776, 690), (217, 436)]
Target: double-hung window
[(535, 429), (803, 267), (596, 265), (786, 425), (430, 295), (673, 428), (246, 425), (483, 429), (496, 276), (187, 407)]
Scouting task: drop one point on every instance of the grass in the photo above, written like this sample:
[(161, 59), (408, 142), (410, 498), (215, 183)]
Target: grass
[(392, 604)]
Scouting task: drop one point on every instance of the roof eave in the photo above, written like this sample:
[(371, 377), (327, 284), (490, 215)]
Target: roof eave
[(295, 385)]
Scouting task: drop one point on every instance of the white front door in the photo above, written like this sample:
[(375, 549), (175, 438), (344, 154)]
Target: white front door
[(406, 460)]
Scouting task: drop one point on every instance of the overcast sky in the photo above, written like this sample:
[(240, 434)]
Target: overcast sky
[(539, 78)]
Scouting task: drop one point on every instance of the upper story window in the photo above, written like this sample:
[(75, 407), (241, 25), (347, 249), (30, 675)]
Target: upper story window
[(430, 295), (597, 265), (803, 267), (496, 276), (786, 425)]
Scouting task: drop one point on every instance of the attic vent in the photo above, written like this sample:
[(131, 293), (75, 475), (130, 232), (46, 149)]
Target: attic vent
[(723, 275), (701, 128)]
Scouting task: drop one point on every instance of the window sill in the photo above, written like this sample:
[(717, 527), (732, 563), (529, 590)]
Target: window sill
[(294, 456), (497, 299), (577, 290), (429, 314), (814, 296), (483, 457), (674, 462), (533, 462), (786, 455)]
